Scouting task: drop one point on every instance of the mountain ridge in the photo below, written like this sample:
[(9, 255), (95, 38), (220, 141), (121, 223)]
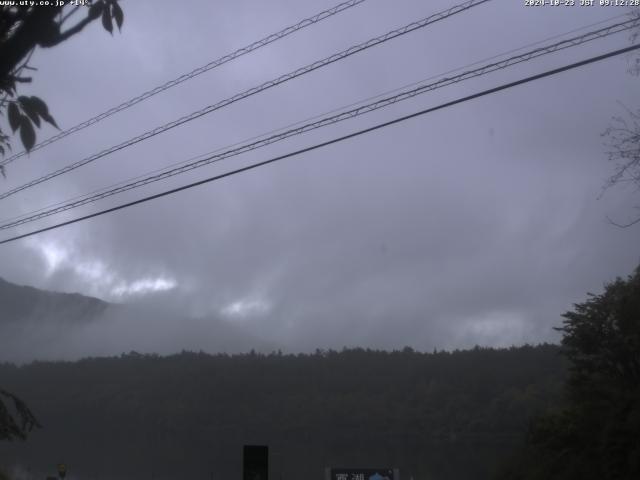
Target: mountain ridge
[(27, 303), (39, 324)]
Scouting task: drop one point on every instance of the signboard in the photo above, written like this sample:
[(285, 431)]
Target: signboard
[(363, 474), (62, 470)]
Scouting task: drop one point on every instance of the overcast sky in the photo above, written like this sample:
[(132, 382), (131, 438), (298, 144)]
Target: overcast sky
[(478, 224)]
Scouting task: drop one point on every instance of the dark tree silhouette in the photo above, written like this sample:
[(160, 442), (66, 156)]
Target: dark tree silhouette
[(597, 434), (15, 425), (22, 30)]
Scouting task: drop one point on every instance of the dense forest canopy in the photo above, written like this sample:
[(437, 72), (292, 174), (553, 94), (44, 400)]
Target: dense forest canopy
[(434, 415)]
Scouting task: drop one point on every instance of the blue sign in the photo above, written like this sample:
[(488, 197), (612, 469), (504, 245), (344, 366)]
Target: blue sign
[(362, 474)]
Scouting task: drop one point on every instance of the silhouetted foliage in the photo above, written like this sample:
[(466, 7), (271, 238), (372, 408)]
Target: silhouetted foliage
[(24, 28), (623, 138), (623, 142), (596, 435), (444, 415), (15, 425)]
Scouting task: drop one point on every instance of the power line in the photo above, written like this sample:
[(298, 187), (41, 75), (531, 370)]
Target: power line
[(252, 91), (85, 199), (361, 110), (315, 117), (335, 140), (188, 76)]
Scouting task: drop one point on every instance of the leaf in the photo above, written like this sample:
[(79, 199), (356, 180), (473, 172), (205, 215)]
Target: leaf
[(14, 116), (27, 133), (118, 15), (42, 109), (106, 21), (29, 109), (95, 10)]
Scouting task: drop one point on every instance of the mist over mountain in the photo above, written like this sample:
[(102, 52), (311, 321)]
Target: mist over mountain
[(44, 325), (27, 304)]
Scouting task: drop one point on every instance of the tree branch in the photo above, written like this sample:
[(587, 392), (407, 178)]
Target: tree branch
[(71, 12), (77, 28), (623, 225)]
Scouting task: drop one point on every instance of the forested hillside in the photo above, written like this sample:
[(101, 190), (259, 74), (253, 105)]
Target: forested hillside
[(442, 415)]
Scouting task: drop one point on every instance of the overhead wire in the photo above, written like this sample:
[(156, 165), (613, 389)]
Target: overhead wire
[(318, 17), (207, 159), (315, 117), (332, 141), (252, 91)]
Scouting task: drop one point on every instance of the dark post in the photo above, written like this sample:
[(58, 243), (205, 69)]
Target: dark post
[(255, 462)]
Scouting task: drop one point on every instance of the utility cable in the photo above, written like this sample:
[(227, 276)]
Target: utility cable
[(315, 117), (385, 102), (506, 86), (252, 91), (188, 76)]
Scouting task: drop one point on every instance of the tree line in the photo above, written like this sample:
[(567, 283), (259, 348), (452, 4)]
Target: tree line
[(437, 415)]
